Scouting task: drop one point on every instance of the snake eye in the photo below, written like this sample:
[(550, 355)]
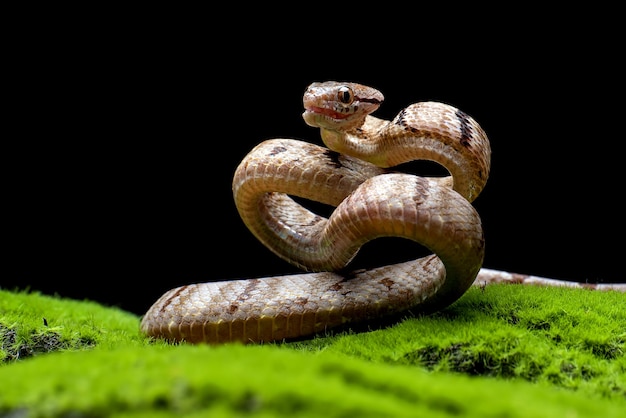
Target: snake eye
[(345, 95)]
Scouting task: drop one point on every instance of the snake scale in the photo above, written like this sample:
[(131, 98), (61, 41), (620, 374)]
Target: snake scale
[(353, 173)]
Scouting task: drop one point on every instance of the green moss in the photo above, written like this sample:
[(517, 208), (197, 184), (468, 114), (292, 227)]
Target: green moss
[(570, 338), (499, 351), (265, 380), (32, 323)]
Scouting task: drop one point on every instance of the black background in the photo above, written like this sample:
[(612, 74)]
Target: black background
[(124, 139)]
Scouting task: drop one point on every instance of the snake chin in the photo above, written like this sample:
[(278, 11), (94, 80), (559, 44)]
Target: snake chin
[(317, 120), (329, 119)]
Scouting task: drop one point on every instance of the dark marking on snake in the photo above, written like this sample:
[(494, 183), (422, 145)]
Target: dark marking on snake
[(466, 128), (590, 286), (387, 282), (173, 297), (363, 134), (301, 300), (401, 121), (333, 158), (245, 295), (233, 308), (277, 150), (336, 287), (315, 220), (421, 190), (369, 100), (430, 260)]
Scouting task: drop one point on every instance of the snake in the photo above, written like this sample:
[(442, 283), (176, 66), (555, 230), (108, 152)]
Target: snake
[(356, 173)]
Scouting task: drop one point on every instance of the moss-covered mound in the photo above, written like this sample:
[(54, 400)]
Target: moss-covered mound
[(499, 351)]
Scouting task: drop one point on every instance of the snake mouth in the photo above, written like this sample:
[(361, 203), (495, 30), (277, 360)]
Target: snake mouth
[(324, 111)]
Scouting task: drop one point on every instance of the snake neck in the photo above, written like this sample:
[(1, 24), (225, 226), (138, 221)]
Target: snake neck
[(347, 144), (389, 143), (363, 142)]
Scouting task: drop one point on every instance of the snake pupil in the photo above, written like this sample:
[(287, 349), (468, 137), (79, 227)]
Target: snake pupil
[(344, 94)]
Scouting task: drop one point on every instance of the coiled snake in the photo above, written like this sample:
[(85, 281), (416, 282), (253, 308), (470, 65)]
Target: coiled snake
[(371, 201)]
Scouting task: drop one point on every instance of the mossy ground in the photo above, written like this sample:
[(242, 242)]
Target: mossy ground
[(499, 351)]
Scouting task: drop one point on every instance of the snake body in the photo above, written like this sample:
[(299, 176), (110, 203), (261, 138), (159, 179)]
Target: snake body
[(354, 173)]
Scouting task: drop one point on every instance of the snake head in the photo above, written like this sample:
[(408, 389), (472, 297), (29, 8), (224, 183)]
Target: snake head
[(339, 106)]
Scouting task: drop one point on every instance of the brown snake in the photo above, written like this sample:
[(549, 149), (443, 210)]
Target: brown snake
[(371, 201)]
